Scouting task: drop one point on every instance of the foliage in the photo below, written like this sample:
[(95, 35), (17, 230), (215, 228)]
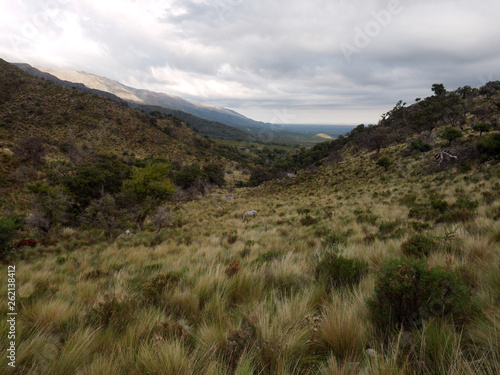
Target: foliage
[(150, 182), (30, 149), (9, 224), (233, 267), (187, 175), (420, 145), (153, 289), (104, 212), (113, 313), (408, 291), (214, 174), (419, 246), (90, 180), (489, 145), (308, 220), (450, 134), (50, 206), (481, 128), (438, 89), (384, 162), (337, 271)]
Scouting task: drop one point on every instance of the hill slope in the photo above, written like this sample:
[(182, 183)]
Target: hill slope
[(146, 97)]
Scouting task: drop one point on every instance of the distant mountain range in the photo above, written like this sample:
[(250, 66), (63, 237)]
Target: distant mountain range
[(145, 97), (206, 119)]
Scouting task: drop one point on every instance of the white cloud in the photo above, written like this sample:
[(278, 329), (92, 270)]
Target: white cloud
[(260, 56)]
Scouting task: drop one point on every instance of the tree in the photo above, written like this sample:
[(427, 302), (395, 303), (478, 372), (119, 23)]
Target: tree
[(104, 212), (384, 162), (161, 218), (90, 180), (187, 175), (438, 89), (215, 174), (481, 127), (31, 150), (450, 134), (50, 207), (490, 144), (148, 188)]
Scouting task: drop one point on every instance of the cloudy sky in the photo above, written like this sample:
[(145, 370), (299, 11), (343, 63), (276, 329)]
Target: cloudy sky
[(281, 61)]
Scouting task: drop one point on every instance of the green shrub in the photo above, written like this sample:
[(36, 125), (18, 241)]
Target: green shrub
[(420, 145), (334, 239), (8, 225), (268, 256), (439, 205), (419, 245), (384, 162), (308, 220), (338, 271), (408, 291), (489, 145)]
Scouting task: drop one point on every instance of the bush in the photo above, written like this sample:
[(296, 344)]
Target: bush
[(338, 271), (8, 225), (384, 162), (186, 177), (419, 246), (308, 220), (408, 291), (268, 257), (232, 268), (113, 313), (420, 145), (489, 145), (450, 134), (153, 289)]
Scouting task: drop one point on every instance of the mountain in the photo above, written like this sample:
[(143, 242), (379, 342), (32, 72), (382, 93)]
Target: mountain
[(205, 127), (145, 97), (70, 118)]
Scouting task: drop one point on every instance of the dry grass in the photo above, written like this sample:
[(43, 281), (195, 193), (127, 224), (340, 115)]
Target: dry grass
[(254, 321)]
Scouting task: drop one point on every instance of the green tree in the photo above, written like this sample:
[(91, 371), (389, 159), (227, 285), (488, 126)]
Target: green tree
[(481, 127), (490, 144), (187, 175), (90, 180), (384, 162), (438, 89), (215, 174), (147, 189), (450, 134)]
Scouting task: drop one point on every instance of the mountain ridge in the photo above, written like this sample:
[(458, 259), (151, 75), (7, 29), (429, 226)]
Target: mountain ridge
[(143, 96)]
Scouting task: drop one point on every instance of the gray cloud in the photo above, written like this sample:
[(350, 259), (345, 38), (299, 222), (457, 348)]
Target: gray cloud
[(322, 61)]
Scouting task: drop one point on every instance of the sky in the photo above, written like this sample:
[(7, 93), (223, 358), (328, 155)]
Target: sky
[(277, 61)]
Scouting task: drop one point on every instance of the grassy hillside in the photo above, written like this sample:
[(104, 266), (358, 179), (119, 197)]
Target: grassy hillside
[(357, 265)]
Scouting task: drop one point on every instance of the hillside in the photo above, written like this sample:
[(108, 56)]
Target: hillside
[(381, 256), (204, 127), (207, 112), (73, 126)]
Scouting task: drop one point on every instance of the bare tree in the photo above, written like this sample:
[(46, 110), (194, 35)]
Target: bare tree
[(31, 150), (161, 218), (104, 212)]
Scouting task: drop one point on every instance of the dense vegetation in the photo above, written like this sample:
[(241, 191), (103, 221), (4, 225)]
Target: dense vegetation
[(381, 256)]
